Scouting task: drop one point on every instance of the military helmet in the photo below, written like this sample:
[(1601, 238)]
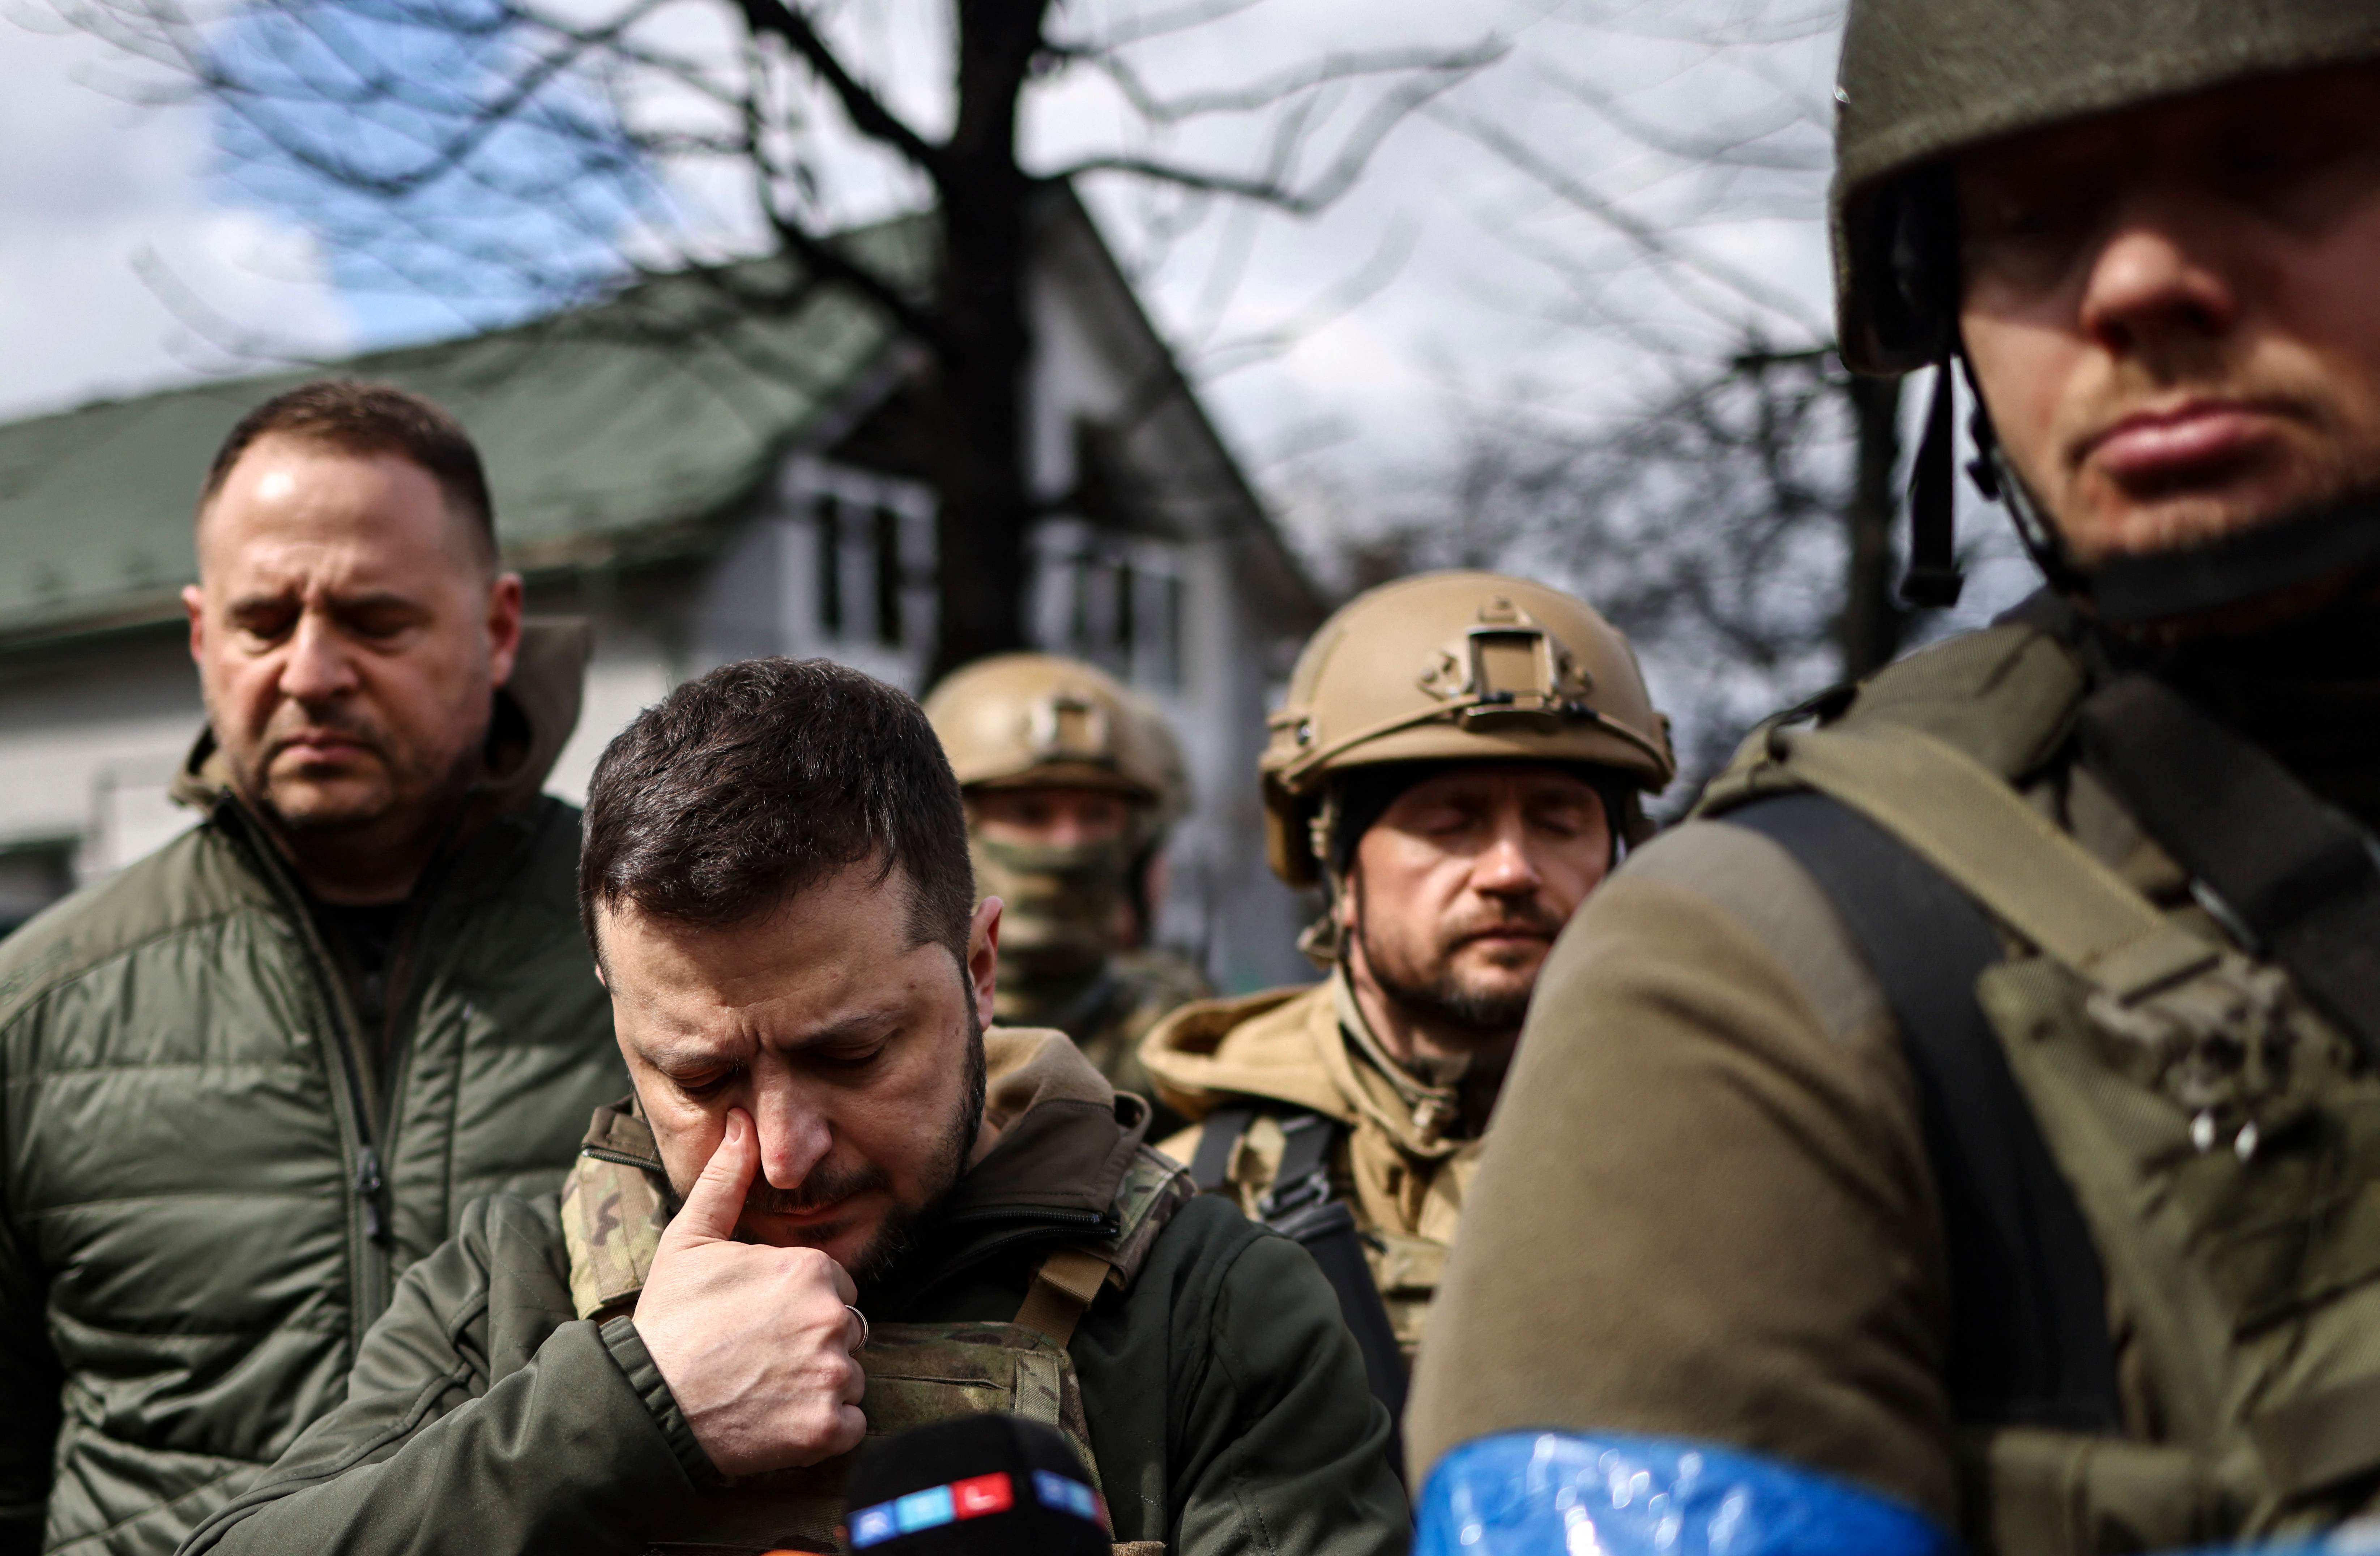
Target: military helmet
[(1922, 79), (1029, 721), (1453, 666)]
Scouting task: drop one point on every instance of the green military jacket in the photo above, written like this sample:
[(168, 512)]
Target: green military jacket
[(1710, 1209), (1224, 1403), (207, 1189)]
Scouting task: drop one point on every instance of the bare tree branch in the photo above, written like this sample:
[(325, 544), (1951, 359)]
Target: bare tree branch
[(1644, 234), (865, 109), (1266, 94), (1745, 148), (1275, 188)]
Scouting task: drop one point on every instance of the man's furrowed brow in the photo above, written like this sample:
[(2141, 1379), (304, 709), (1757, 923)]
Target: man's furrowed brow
[(843, 1031)]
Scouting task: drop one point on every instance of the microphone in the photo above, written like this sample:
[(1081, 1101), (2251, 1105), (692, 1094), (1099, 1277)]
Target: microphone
[(989, 1485)]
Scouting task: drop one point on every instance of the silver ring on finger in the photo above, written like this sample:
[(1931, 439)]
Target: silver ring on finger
[(863, 1325)]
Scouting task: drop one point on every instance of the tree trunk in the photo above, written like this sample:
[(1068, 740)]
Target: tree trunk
[(1869, 631), (976, 387)]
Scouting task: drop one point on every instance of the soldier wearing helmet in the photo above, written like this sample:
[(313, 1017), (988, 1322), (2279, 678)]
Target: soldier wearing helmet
[(1072, 784), (1970, 1108), (1459, 762)]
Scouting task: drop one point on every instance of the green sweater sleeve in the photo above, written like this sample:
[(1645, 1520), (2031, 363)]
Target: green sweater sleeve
[(578, 1447), (1288, 1450)]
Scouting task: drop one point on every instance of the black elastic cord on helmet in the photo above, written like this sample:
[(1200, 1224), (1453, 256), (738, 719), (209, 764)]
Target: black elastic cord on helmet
[(1932, 578)]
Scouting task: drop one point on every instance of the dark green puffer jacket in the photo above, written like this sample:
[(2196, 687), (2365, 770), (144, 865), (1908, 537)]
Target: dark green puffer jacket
[(206, 1192)]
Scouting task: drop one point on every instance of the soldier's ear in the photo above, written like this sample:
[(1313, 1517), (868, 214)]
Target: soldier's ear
[(1346, 908)]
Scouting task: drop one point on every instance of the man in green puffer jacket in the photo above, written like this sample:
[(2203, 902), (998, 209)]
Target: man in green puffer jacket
[(252, 1077), (838, 1206)]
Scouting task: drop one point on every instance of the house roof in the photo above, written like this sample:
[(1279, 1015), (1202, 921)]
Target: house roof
[(617, 433), (614, 430)]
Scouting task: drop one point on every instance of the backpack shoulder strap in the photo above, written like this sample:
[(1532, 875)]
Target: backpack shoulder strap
[(1970, 825), (2029, 1342), (1211, 1164), (1300, 1206), (1070, 1278)]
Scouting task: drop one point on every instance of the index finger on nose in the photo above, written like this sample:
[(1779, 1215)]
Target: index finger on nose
[(715, 1203)]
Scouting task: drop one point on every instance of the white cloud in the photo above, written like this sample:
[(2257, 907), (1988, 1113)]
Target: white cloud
[(95, 189)]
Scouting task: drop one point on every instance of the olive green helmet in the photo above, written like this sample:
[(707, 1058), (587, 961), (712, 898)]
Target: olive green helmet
[(1454, 666), (1029, 721), (1923, 80)]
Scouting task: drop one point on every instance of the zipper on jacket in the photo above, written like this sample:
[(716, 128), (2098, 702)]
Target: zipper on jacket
[(367, 1288), (369, 1188)]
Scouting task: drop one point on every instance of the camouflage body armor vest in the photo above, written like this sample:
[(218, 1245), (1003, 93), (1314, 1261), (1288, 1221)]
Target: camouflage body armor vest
[(2220, 1137), (614, 1205)]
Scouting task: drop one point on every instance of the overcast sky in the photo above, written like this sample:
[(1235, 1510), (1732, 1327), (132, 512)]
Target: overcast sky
[(1481, 293), (114, 223)]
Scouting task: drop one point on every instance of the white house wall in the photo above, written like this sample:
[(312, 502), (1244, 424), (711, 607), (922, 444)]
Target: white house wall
[(89, 740)]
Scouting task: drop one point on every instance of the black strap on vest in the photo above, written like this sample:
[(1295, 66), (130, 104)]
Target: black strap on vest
[(1300, 1206), (2029, 1342), (2296, 873), (1211, 1164)]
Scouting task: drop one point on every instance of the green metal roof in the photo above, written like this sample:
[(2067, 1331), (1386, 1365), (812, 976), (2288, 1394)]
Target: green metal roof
[(611, 432)]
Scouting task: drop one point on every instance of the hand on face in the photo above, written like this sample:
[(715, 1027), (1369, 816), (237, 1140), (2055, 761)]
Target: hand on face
[(755, 1342), (2170, 310)]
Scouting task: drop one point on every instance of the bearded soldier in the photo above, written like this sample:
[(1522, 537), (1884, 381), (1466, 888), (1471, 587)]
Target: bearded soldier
[(1072, 784), (1975, 1106), (1460, 760)]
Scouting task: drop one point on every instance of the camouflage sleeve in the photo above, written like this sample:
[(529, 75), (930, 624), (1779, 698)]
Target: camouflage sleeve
[(1704, 1209), (1286, 1451), (456, 1442)]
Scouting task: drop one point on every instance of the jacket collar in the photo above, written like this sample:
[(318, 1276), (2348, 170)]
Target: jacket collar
[(1309, 1048)]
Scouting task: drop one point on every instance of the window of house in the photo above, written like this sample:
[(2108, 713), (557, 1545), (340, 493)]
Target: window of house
[(1114, 599), (32, 876), (871, 570)]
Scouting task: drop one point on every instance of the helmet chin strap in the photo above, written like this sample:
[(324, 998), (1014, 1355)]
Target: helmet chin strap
[(2290, 552), (1933, 579)]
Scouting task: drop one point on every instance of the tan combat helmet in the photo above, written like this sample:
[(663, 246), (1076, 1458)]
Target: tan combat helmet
[(1462, 666), (1033, 721)]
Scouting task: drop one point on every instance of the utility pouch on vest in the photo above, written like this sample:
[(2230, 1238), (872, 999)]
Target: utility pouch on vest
[(613, 1211), (916, 1374), (2223, 1142)]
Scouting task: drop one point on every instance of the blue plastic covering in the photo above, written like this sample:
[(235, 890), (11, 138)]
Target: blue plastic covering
[(1563, 1494), (1610, 1494)]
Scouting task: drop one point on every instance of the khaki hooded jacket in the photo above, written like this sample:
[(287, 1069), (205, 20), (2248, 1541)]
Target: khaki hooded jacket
[(210, 1181), (1401, 1167)]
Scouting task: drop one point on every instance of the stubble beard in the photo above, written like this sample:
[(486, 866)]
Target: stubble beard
[(896, 1235), (1446, 997)]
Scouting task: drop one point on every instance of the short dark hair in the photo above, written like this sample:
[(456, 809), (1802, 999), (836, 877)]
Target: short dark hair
[(763, 778), (361, 418)]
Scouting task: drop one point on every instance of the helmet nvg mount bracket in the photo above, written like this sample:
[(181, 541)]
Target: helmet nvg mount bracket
[(1453, 666)]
